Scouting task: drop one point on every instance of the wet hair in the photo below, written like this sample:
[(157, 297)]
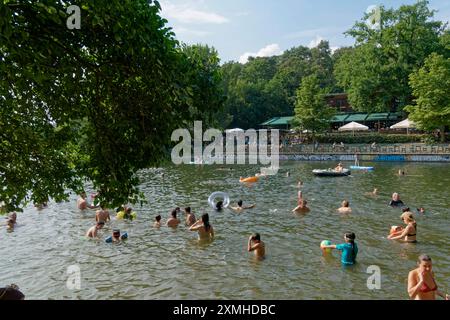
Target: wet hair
[(11, 293), (405, 209), (100, 223), (256, 236), (240, 203), (408, 215), (177, 209), (219, 205), (158, 218), (116, 232), (424, 257), (345, 203), (205, 220), (350, 237), (187, 209), (174, 213)]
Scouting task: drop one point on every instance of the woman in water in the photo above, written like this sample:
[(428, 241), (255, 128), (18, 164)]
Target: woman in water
[(157, 223), (345, 207), (204, 229), (408, 234), (395, 201), (349, 249), (421, 283)]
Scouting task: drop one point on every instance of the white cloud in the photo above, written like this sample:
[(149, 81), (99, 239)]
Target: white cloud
[(267, 51), (315, 42), (186, 14)]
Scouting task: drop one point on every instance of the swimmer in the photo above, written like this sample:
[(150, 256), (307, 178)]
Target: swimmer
[(102, 215), (407, 234), (339, 167), (345, 207), (116, 236), (373, 193), (157, 223), (219, 205), (349, 249), (40, 206), (10, 224), (256, 245), (287, 174), (82, 203), (127, 214), (93, 231), (204, 229), (13, 217), (301, 204), (240, 207), (401, 172), (300, 184), (190, 218), (421, 283), (395, 201), (421, 210), (173, 221)]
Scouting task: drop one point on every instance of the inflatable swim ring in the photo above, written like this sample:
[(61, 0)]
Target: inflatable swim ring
[(325, 243), (249, 179), (121, 215), (220, 195), (123, 237)]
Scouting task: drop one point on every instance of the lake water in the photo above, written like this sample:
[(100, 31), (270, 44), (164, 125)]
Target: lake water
[(171, 264)]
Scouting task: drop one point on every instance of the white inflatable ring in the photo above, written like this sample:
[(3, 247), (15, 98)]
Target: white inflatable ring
[(221, 195)]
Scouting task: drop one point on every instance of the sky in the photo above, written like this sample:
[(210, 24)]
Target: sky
[(242, 28)]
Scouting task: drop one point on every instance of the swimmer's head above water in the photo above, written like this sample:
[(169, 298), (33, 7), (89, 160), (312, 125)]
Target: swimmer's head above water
[(256, 237), (240, 203), (174, 213), (116, 233), (219, 205), (158, 218)]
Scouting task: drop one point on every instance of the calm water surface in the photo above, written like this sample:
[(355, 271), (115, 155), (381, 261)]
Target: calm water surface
[(171, 264)]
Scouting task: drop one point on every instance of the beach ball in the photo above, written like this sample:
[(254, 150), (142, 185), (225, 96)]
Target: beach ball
[(326, 243)]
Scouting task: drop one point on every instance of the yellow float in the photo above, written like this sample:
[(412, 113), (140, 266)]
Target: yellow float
[(249, 179)]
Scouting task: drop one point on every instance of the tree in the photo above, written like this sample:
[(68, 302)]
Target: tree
[(375, 74), (431, 88), (96, 103), (311, 110)]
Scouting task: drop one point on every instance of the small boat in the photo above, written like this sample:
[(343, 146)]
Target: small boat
[(331, 172), (361, 168)]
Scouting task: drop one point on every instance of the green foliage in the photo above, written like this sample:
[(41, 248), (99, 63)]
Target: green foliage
[(431, 88), (98, 103), (375, 73), (311, 110)]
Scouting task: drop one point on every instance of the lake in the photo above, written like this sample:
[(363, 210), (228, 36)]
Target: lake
[(171, 264)]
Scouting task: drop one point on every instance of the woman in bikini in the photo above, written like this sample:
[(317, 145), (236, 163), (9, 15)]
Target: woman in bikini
[(408, 234), (421, 283)]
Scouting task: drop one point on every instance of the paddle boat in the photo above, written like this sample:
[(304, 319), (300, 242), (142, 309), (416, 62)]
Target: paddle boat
[(331, 173)]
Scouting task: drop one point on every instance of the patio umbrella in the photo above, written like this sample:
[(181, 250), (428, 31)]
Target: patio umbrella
[(354, 126), (405, 124)]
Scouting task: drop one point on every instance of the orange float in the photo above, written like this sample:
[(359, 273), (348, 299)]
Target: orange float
[(395, 229), (249, 179)]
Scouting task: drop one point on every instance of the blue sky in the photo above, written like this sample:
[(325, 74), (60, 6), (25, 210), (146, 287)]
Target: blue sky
[(239, 28)]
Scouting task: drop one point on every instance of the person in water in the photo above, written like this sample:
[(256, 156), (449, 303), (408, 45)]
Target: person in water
[(93, 231), (11, 292), (40, 206), (240, 207), (204, 228), (190, 217), (339, 167), (349, 249), (256, 245), (102, 215), (219, 205), (116, 236), (301, 204), (421, 283), (345, 207), (173, 221), (421, 210), (82, 203), (129, 214), (407, 234), (157, 223), (401, 172), (373, 193), (395, 201)]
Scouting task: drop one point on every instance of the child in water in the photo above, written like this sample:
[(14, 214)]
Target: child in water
[(349, 249)]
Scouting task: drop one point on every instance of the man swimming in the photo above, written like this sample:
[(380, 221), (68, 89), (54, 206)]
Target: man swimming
[(301, 204), (93, 231), (190, 218), (82, 203), (256, 245), (102, 215), (345, 207), (173, 221), (240, 207)]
